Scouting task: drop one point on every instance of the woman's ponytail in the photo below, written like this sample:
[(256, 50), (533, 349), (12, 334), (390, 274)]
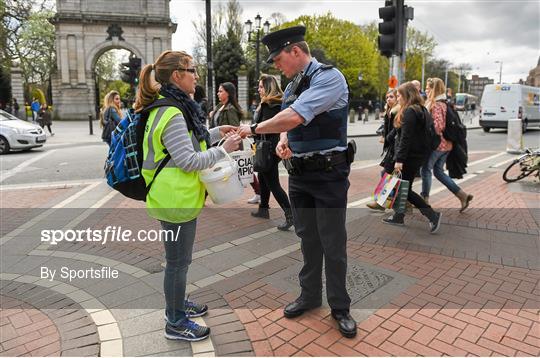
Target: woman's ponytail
[(148, 88)]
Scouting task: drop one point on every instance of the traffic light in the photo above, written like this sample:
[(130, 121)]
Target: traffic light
[(389, 29), (130, 71)]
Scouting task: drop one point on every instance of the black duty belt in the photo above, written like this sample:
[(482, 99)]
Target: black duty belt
[(316, 162)]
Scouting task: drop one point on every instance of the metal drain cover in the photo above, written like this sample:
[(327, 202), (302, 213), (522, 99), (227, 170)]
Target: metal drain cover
[(361, 282)]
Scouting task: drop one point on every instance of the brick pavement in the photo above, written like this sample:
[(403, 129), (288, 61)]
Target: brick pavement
[(457, 300)]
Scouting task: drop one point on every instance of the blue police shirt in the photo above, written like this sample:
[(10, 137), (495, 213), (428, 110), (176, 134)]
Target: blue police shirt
[(327, 91)]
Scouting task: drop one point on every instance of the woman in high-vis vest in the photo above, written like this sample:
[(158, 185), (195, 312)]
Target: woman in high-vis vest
[(177, 195)]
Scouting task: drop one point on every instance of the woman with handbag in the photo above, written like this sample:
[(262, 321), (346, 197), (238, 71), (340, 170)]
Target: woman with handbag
[(230, 113), (266, 161), (111, 115), (437, 105), (411, 149), (387, 139)]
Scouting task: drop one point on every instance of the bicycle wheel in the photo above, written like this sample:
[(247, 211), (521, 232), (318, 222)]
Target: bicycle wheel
[(517, 170)]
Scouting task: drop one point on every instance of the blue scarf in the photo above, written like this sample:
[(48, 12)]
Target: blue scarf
[(193, 114)]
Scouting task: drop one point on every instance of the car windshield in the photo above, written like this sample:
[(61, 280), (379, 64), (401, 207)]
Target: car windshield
[(5, 116)]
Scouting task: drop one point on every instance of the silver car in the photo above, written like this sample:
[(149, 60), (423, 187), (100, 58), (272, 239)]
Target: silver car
[(19, 135)]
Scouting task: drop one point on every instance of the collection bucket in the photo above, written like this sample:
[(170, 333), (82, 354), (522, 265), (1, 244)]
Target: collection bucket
[(222, 182)]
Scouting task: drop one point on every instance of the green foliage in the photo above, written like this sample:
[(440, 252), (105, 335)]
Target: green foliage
[(419, 44), (36, 92), (116, 85), (346, 45), (228, 57)]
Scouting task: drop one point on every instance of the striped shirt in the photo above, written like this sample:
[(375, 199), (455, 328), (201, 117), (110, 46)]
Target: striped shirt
[(178, 143)]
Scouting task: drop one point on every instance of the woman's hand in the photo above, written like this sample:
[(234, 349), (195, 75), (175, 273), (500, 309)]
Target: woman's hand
[(244, 131), (398, 167), (223, 130), (232, 142), (381, 139)]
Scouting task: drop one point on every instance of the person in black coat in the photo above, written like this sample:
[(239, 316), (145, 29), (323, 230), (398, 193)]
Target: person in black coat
[(411, 149), (271, 96), (387, 139)]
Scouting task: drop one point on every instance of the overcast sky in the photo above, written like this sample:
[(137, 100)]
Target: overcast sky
[(475, 32)]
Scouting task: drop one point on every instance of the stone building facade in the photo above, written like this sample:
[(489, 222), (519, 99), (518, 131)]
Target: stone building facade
[(534, 76), (477, 84), (86, 29)]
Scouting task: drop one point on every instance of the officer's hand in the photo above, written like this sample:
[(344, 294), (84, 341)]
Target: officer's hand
[(232, 142), (244, 131), (282, 150), (223, 130)]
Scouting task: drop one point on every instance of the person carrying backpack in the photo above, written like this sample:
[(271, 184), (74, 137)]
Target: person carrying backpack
[(177, 196), (438, 108), (411, 149)]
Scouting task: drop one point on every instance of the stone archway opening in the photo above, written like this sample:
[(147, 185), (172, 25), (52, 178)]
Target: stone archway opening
[(106, 74)]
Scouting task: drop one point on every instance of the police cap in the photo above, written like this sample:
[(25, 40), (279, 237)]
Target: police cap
[(278, 40)]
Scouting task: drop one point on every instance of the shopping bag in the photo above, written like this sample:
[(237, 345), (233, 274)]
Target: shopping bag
[(387, 195), (400, 202), (384, 179)]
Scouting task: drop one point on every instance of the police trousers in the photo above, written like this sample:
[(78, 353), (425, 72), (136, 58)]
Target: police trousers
[(319, 201)]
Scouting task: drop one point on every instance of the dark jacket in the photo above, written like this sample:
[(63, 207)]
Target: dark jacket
[(229, 115), (45, 117), (267, 111), (389, 134), (411, 143)]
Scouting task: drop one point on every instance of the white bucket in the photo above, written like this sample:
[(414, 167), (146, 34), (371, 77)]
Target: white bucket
[(222, 181), (244, 160)]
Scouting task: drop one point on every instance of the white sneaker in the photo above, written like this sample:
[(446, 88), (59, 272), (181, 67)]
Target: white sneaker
[(255, 200)]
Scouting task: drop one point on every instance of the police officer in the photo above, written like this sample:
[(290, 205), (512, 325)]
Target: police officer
[(313, 144)]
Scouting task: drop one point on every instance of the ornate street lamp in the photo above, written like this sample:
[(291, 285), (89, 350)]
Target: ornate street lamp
[(258, 31)]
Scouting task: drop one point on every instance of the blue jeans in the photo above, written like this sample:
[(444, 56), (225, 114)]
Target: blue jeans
[(178, 256), (436, 163)]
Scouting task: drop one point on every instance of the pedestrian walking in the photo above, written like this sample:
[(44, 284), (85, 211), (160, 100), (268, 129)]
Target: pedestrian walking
[(45, 118), (177, 195), (387, 139), (110, 115), (437, 106), (313, 123), (412, 148), (15, 107), (35, 107), (271, 97), (229, 112), (200, 97)]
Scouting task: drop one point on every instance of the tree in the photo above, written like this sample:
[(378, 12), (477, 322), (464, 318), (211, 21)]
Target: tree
[(228, 57), (344, 43), (419, 45), (29, 38)]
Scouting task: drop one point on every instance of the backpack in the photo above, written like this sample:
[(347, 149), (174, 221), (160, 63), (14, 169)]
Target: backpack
[(454, 130), (432, 138), (123, 167)]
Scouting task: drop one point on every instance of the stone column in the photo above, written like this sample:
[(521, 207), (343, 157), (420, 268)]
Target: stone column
[(17, 89)]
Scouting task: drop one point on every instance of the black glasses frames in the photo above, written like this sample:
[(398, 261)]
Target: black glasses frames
[(190, 70)]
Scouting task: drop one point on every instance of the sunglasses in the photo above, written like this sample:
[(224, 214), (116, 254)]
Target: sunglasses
[(190, 70)]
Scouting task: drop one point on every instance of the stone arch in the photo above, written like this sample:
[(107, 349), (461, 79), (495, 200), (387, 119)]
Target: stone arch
[(87, 29), (95, 53)]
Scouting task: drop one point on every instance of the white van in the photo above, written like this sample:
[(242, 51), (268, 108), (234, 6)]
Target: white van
[(502, 102)]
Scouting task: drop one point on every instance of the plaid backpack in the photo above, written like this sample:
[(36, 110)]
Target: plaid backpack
[(123, 167)]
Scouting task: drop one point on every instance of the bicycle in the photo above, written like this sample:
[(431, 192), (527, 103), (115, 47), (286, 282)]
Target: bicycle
[(524, 166)]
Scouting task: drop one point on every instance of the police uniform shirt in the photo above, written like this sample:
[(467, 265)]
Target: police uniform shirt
[(327, 91)]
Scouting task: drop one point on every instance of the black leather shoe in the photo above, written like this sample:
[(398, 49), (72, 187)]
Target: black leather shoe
[(347, 324), (297, 308)]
